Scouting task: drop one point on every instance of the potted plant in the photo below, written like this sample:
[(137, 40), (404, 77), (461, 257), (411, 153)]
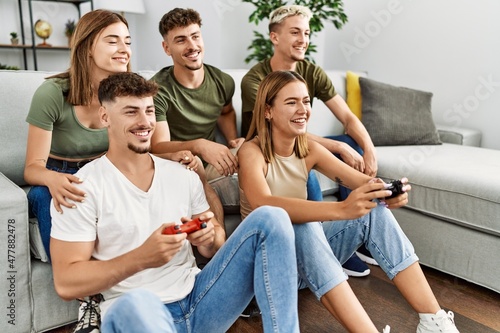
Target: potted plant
[(13, 38), (69, 30), (322, 10), (14, 68)]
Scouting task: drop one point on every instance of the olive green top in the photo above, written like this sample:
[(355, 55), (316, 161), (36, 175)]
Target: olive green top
[(318, 84), (50, 111)]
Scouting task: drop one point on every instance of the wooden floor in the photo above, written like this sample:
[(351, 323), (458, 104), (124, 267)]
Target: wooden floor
[(477, 310)]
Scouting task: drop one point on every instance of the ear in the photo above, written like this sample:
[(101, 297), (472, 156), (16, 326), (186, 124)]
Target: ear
[(273, 36), (164, 45), (104, 116), (267, 112)]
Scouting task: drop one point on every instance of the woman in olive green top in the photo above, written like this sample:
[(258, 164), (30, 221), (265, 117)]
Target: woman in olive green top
[(64, 127), (65, 131)]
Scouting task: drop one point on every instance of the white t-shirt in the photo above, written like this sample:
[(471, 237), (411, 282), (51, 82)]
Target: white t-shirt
[(120, 217)]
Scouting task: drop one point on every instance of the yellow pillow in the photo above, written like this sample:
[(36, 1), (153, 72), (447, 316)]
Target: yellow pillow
[(353, 93)]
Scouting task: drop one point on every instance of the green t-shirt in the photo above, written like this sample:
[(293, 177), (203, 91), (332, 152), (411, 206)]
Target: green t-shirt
[(50, 111), (192, 113), (318, 83)]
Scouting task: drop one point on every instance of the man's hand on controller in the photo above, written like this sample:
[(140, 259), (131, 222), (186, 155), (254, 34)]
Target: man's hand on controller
[(204, 236)]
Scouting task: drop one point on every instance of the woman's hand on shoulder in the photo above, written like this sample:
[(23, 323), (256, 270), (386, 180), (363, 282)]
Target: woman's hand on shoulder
[(61, 187), (186, 158)]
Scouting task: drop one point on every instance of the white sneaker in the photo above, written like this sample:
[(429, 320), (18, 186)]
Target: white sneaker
[(442, 321), (89, 317), (387, 329)]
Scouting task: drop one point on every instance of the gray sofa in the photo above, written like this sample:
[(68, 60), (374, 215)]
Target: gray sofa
[(453, 218)]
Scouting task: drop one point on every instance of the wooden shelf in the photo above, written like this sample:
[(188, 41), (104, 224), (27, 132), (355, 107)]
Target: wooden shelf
[(74, 2), (19, 46), (35, 48)]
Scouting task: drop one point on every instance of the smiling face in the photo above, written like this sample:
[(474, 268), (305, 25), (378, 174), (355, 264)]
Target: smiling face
[(185, 46), (111, 50), (291, 38), (290, 111), (131, 121)]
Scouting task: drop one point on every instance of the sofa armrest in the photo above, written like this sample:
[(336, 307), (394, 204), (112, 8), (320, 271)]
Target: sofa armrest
[(15, 255), (459, 136)]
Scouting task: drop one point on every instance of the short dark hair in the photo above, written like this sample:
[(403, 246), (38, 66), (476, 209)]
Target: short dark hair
[(125, 84), (178, 17)]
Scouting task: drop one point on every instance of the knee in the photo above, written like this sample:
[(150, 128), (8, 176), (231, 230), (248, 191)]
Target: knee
[(136, 302), (137, 298), (133, 312), (273, 219), (382, 215)]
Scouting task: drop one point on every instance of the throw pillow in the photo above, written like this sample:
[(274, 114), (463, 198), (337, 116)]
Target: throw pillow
[(353, 93), (396, 116)]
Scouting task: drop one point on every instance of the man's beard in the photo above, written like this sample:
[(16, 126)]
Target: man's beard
[(139, 150), (194, 67)]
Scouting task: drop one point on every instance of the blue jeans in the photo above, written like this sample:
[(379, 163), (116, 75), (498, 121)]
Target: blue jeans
[(313, 187), (258, 259), (39, 200), (322, 248)]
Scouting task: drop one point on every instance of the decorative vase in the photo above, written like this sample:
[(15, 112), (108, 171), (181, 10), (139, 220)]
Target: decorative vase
[(69, 40), (14, 41)]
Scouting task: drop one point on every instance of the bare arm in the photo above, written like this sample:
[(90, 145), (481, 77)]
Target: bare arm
[(249, 86), (77, 275), (253, 169), (354, 128), (227, 125), (36, 173)]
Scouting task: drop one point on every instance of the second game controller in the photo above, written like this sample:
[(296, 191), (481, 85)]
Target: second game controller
[(396, 186), (188, 227)]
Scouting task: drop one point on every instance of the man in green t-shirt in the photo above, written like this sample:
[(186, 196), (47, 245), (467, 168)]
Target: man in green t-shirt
[(194, 99), (289, 32)]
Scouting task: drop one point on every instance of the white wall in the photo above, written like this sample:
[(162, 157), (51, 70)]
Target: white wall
[(448, 47)]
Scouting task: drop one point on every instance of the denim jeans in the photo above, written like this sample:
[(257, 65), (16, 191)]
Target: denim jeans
[(259, 258), (313, 187), (39, 198), (323, 247)]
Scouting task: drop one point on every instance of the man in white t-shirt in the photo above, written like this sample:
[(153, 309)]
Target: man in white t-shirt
[(113, 242)]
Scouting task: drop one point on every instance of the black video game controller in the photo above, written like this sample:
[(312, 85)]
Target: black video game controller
[(396, 187), (188, 227)]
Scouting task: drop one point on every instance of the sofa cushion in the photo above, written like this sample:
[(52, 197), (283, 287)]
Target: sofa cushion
[(447, 182), (397, 115), (16, 91)]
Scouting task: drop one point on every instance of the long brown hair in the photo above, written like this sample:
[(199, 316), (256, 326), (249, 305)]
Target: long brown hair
[(262, 127), (88, 28)]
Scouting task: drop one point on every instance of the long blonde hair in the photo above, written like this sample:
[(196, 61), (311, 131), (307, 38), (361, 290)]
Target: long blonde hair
[(79, 73), (262, 127)]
